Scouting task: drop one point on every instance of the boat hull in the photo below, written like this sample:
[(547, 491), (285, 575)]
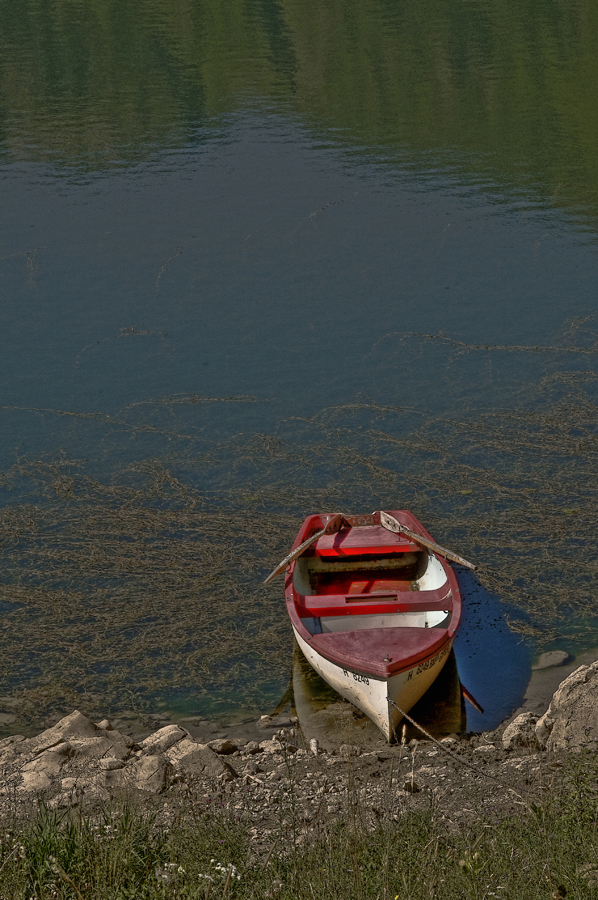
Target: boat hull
[(375, 695), (373, 612)]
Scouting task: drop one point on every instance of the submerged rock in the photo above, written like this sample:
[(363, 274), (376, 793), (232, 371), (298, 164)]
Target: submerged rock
[(552, 659)]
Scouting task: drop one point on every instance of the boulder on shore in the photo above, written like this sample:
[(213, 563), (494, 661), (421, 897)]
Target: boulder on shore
[(521, 732), (191, 759), (77, 760), (571, 721), (164, 739)]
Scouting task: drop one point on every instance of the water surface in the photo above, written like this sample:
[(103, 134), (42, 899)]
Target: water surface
[(263, 258)]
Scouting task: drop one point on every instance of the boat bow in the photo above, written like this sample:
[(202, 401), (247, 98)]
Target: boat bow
[(382, 652)]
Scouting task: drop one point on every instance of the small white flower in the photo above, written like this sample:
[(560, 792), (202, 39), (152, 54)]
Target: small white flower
[(224, 871)]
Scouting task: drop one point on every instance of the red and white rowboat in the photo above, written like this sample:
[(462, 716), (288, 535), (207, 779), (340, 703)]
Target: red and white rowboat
[(374, 606)]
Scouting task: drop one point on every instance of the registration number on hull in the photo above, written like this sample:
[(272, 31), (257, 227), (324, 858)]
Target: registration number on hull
[(432, 662), (356, 677), (363, 679)]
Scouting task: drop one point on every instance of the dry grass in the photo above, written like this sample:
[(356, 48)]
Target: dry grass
[(545, 848)]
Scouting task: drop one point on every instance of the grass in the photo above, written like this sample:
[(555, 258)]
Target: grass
[(548, 850)]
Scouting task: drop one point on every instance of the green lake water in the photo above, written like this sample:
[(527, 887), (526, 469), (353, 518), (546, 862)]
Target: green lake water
[(259, 259)]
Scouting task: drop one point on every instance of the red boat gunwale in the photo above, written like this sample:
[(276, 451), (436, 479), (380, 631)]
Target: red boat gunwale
[(378, 652)]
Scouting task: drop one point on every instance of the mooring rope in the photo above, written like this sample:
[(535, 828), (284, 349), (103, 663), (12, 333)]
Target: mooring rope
[(442, 747)]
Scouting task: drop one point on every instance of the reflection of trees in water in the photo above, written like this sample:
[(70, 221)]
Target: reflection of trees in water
[(147, 583), (503, 91)]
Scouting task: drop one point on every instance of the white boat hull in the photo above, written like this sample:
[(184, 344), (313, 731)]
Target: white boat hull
[(373, 695)]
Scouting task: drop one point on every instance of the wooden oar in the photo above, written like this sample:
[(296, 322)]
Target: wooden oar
[(391, 524), (471, 698), (335, 524)]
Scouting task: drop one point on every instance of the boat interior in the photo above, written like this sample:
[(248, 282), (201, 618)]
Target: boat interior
[(360, 580)]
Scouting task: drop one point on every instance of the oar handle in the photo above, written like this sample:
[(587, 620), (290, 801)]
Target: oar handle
[(391, 524), (335, 523), (332, 526)]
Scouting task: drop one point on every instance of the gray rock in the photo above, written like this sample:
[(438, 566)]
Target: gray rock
[(150, 774), (252, 747), (162, 740), (110, 762), (552, 659), (35, 782), (68, 784), (12, 739), (75, 726), (120, 749), (95, 795), (71, 747), (112, 781), (50, 761), (69, 795), (9, 754), (571, 721), (189, 758), (75, 792), (222, 746), (94, 748), (37, 775), (107, 743), (521, 732)]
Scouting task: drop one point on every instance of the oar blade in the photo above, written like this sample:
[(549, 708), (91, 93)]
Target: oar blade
[(391, 524), (471, 699)]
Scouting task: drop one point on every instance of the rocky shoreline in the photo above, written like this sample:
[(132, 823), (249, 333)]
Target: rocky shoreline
[(263, 771)]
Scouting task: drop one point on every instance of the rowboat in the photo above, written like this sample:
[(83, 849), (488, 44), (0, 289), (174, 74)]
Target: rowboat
[(324, 715), (375, 606)]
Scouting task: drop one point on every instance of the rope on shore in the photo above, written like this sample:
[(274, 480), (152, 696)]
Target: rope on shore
[(442, 747)]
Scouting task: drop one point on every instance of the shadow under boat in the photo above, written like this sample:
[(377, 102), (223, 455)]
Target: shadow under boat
[(494, 662), (325, 715)]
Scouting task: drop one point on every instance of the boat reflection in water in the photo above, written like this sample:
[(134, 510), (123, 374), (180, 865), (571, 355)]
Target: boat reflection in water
[(325, 715), (493, 660)]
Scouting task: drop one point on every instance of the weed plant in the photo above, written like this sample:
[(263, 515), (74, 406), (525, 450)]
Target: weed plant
[(149, 573)]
